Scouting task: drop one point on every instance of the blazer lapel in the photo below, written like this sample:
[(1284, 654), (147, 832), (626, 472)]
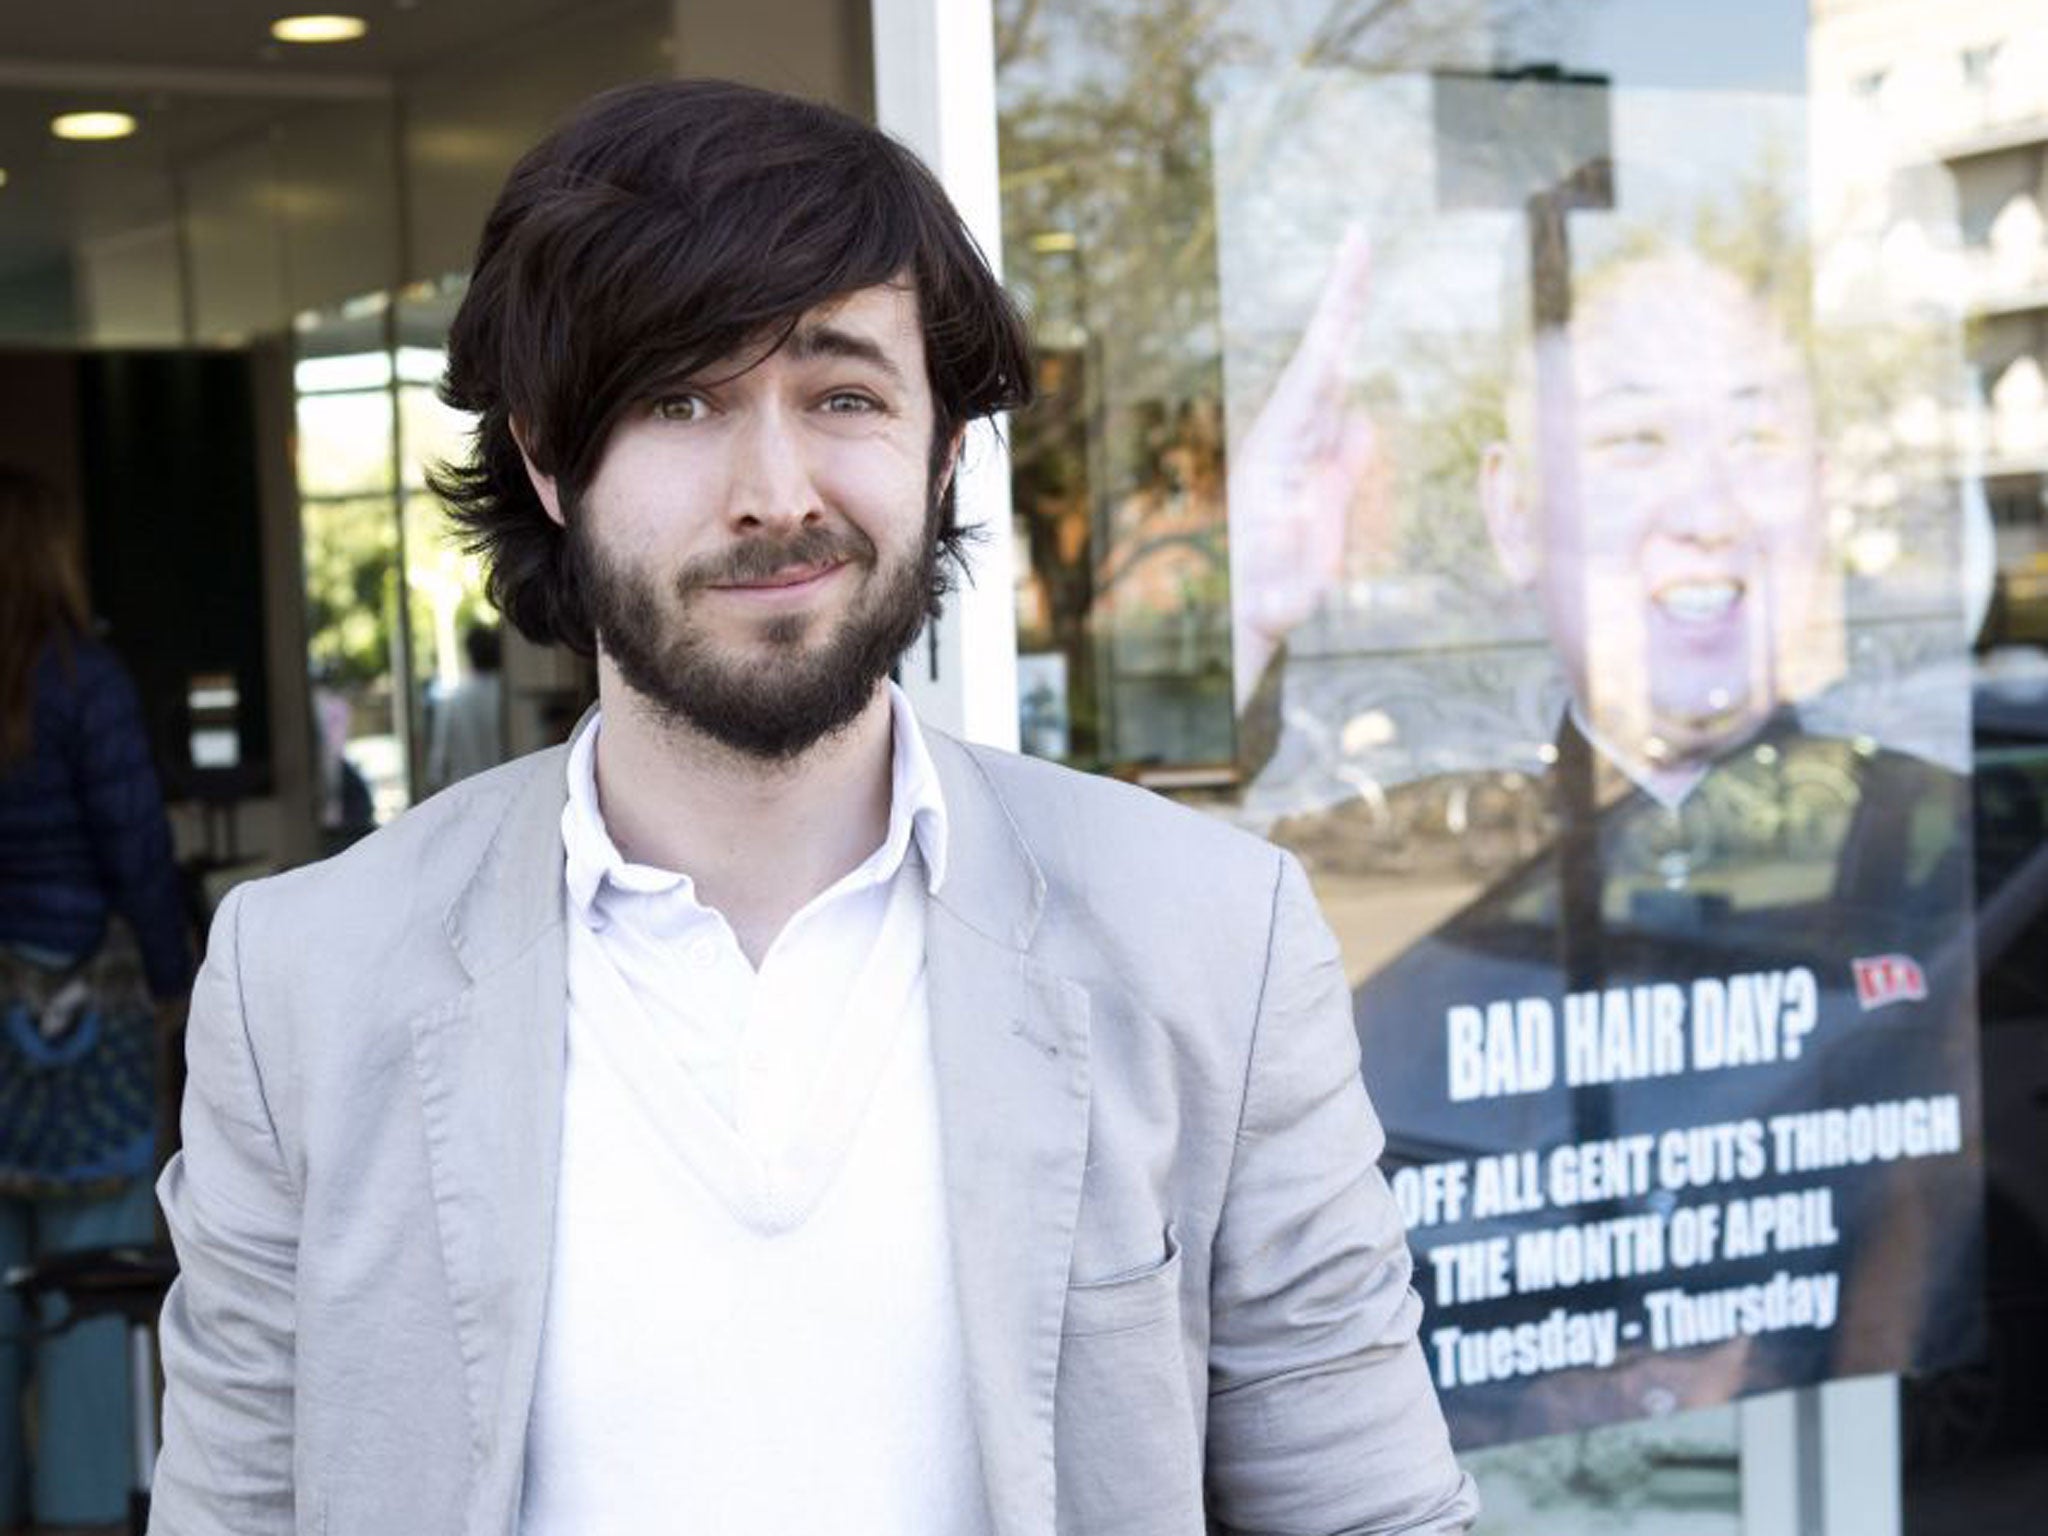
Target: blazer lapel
[(490, 1067), (1010, 1044)]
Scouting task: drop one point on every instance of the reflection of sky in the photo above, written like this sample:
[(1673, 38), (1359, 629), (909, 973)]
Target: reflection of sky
[(344, 444), (1740, 45), (1301, 153)]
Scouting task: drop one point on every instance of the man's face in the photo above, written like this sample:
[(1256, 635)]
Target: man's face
[(757, 545), (1676, 542)]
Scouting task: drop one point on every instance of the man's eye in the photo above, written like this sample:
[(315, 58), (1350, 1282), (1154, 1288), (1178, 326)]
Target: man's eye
[(848, 401), (679, 408), (1629, 440)]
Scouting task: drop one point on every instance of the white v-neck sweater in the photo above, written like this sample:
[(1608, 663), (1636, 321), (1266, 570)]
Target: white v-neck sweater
[(752, 1326)]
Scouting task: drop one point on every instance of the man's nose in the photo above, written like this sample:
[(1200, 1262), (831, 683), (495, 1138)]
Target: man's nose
[(771, 482), (1706, 503)]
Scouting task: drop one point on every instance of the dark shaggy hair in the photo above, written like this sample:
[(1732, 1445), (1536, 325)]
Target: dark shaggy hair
[(664, 228), (42, 596)]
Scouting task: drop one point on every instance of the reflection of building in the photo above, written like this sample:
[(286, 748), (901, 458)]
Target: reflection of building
[(1931, 140)]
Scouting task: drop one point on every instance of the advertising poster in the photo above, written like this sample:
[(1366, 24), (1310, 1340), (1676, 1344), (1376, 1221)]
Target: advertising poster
[(1599, 627)]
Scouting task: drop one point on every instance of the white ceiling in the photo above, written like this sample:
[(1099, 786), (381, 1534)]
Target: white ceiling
[(235, 34), (197, 74)]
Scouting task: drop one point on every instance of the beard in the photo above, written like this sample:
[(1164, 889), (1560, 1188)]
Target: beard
[(792, 691)]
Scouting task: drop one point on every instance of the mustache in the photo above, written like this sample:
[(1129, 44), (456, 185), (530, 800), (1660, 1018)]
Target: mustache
[(758, 558)]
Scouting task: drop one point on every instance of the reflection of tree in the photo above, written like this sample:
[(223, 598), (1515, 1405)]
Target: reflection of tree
[(1049, 455), (1105, 139), (444, 584), (1108, 198), (1109, 205), (1436, 454), (351, 559), (1758, 232), (1379, 34), (354, 443), (1882, 378)]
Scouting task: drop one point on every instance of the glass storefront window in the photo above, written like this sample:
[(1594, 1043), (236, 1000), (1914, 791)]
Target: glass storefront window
[(396, 613), (457, 639), (350, 553), (1566, 471)]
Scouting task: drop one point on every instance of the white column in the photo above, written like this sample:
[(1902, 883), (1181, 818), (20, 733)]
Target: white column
[(1771, 1458), (1823, 1461), (935, 90), (1862, 1490)]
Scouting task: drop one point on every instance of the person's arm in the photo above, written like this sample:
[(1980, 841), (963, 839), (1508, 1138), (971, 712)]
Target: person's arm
[(232, 1205), (124, 814), (1294, 478), (1322, 1418)]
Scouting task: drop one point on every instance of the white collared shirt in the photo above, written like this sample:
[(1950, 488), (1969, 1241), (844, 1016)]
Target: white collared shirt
[(752, 1040), (752, 1323)]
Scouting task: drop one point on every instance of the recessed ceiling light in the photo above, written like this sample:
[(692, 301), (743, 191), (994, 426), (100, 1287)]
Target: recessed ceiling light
[(92, 125), (3, 175), (318, 29)]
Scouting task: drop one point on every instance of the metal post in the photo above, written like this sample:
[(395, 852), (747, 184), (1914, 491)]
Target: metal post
[(1823, 1461)]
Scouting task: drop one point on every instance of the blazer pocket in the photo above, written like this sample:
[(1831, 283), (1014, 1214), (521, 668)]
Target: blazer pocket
[(1120, 1303), (1127, 1445)]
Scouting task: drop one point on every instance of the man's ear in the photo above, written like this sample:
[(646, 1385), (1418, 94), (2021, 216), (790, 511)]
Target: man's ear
[(1509, 522), (543, 484)]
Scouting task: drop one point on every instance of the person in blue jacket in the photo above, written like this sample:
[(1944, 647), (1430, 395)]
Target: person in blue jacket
[(83, 841)]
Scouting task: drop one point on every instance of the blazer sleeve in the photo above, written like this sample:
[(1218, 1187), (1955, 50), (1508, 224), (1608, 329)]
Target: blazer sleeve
[(1322, 1417), (227, 1331)]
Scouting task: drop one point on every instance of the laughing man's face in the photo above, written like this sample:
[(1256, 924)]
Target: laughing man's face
[(1677, 542)]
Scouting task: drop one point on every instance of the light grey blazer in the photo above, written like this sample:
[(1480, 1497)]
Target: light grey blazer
[(1184, 1286)]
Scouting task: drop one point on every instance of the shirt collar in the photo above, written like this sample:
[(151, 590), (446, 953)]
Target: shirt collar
[(917, 814), (1669, 787)]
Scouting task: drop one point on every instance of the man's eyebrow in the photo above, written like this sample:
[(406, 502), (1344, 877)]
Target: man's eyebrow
[(1625, 391), (813, 341)]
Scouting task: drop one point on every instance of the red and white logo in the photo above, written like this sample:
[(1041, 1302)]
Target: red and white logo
[(1882, 979)]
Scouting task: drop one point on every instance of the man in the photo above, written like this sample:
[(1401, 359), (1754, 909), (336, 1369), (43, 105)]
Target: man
[(765, 1113), (1657, 497), (1664, 508), (469, 725), (1656, 494)]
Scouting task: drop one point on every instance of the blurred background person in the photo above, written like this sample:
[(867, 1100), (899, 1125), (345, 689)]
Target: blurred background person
[(469, 731), (92, 927), (347, 809)]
